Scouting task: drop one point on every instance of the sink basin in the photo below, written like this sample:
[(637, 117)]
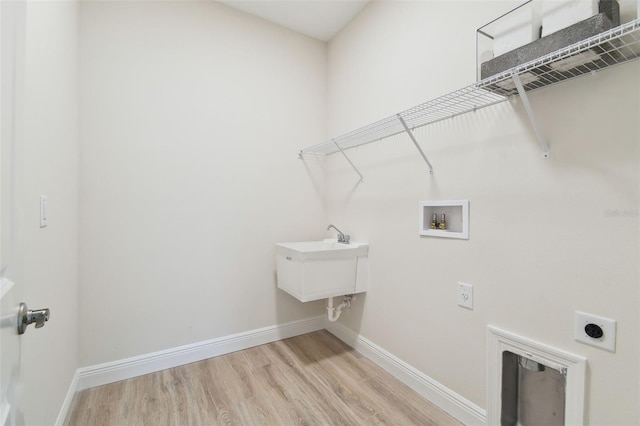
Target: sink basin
[(325, 249), (312, 270)]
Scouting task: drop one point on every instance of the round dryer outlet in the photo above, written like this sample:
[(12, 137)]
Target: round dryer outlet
[(595, 331)]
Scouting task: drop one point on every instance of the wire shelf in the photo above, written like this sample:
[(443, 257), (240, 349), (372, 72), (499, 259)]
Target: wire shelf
[(609, 48)]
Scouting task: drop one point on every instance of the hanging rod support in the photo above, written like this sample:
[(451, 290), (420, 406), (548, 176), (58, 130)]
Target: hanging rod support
[(527, 106), (347, 158), (415, 142)]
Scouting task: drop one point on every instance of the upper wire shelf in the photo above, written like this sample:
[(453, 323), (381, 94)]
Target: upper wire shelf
[(609, 48)]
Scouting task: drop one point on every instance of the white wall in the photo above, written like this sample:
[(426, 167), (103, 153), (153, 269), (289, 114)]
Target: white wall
[(541, 244), (192, 116), (48, 164)]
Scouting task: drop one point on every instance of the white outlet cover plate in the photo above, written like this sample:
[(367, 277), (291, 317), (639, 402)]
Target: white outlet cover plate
[(44, 213), (465, 295), (608, 326)]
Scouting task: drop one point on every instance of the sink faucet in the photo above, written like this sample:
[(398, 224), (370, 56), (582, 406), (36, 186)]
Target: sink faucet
[(341, 237)]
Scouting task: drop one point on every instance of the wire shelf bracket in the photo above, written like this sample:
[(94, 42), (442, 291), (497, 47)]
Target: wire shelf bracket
[(415, 142), (532, 117), (349, 160)]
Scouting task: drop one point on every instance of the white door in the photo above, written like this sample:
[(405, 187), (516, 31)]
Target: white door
[(11, 62)]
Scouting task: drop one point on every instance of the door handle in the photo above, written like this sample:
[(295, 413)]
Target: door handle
[(27, 316)]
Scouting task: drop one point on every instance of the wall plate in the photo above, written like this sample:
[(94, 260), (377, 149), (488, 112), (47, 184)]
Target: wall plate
[(465, 295), (44, 212), (595, 331)]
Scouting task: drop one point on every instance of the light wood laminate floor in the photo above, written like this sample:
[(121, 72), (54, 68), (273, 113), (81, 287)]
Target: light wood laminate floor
[(313, 379)]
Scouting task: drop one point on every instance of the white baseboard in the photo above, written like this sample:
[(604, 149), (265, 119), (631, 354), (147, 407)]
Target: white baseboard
[(97, 375), (446, 399), (68, 399), (443, 397)]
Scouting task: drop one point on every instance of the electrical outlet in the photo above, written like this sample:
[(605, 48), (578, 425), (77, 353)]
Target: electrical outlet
[(595, 331), (44, 213), (465, 295)]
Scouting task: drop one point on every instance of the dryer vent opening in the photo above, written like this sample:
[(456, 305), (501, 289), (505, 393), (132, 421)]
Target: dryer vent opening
[(532, 393), (531, 383)]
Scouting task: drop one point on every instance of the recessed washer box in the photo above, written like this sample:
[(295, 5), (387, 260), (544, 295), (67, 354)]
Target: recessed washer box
[(456, 218)]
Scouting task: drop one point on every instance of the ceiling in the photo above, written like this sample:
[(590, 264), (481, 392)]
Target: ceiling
[(320, 19)]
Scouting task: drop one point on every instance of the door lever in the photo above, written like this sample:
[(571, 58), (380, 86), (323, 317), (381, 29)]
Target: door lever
[(27, 316)]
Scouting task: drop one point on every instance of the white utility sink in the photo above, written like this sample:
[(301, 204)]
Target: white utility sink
[(325, 249), (312, 270)]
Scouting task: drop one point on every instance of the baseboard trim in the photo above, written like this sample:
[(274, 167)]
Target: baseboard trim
[(68, 399), (443, 397), (457, 406), (110, 372)]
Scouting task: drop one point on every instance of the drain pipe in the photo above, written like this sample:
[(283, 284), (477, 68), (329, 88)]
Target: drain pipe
[(334, 313)]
